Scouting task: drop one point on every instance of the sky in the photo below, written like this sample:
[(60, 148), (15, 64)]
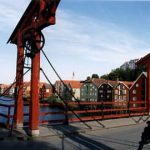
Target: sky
[(89, 37)]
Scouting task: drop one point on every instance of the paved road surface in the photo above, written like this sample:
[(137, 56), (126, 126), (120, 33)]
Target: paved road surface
[(120, 138)]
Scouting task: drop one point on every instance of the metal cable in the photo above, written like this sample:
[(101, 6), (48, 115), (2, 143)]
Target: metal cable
[(63, 99), (65, 84)]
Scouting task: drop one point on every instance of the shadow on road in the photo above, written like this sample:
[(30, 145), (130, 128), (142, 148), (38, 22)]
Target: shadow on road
[(73, 133), (13, 143)]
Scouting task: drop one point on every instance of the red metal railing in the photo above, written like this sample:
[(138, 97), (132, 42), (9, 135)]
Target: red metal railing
[(86, 111)]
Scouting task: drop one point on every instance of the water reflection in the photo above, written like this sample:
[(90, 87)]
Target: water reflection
[(8, 102)]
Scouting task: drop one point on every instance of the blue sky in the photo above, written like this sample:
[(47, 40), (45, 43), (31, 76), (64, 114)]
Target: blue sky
[(90, 36)]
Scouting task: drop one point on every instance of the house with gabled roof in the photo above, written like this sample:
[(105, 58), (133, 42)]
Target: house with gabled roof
[(138, 88), (89, 89), (121, 92), (106, 91), (72, 85), (6, 89), (46, 90)]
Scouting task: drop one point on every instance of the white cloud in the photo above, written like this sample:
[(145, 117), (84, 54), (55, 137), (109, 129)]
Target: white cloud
[(93, 39), (77, 44)]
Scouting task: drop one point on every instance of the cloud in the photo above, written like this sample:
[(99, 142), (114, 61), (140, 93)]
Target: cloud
[(76, 43), (10, 12), (93, 39)]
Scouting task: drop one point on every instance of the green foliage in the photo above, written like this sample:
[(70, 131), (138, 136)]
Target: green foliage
[(88, 78), (124, 75), (52, 99), (95, 76)]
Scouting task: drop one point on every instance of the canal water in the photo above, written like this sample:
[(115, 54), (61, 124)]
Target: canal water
[(10, 101)]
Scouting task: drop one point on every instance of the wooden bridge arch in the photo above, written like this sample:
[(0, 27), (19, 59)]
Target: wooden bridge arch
[(38, 15)]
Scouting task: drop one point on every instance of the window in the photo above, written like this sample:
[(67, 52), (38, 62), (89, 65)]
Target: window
[(109, 91), (116, 97), (124, 92), (134, 91), (108, 96), (137, 85), (100, 91), (134, 98), (47, 90), (116, 91), (124, 98)]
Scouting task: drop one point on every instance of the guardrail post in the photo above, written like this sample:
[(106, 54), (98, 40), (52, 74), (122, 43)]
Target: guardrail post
[(66, 114), (8, 115)]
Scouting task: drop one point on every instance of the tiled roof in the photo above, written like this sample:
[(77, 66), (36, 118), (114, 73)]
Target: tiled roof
[(127, 83), (143, 73), (40, 84), (112, 83), (143, 59), (48, 86), (73, 83), (98, 82), (4, 86)]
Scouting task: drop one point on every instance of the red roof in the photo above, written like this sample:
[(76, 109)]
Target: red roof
[(144, 60), (127, 83), (98, 82), (73, 83)]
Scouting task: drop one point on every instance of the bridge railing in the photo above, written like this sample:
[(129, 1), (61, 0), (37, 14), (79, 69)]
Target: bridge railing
[(86, 111), (6, 114)]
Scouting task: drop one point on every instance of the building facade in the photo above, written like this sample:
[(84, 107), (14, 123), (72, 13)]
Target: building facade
[(121, 93), (138, 89), (105, 92), (70, 92), (89, 89)]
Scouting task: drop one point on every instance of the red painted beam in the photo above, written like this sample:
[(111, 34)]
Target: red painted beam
[(34, 102), (148, 85), (19, 83)]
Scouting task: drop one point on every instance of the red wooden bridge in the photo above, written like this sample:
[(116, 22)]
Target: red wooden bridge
[(29, 40), (87, 111)]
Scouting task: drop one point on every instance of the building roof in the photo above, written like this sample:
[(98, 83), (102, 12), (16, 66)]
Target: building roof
[(47, 86), (98, 82), (144, 60), (143, 73), (4, 86), (73, 83), (128, 84), (112, 83)]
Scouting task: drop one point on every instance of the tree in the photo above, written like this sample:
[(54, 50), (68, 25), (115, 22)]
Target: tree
[(88, 78), (95, 76), (124, 75)]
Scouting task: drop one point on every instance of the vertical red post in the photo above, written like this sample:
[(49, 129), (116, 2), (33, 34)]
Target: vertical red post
[(19, 83), (148, 85), (34, 102)]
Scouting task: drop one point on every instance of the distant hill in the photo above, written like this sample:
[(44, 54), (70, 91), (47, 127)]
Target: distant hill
[(129, 64), (126, 72)]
